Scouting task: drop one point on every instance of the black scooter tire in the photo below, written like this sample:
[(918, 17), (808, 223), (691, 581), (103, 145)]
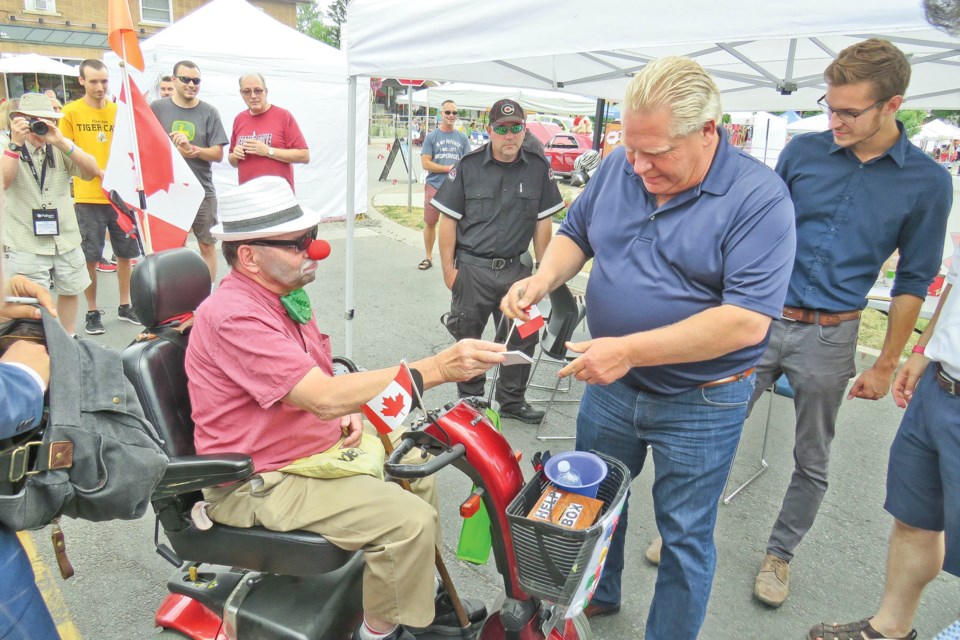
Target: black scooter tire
[(170, 634)]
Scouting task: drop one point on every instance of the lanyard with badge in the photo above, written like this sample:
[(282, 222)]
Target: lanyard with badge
[(46, 220)]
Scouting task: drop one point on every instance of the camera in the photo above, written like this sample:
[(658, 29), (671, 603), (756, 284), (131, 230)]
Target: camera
[(39, 127)]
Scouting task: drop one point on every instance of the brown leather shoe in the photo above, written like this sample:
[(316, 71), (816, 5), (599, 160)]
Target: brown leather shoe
[(773, 581), (597, 609), (652, 553)]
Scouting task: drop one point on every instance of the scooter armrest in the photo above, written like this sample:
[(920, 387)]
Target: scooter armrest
[(192, 473)]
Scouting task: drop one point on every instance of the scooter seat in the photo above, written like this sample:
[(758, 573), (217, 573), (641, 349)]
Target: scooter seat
[(292, 553)]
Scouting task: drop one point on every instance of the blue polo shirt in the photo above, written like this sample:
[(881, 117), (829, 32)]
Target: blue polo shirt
[(851, 215), (728, 240)]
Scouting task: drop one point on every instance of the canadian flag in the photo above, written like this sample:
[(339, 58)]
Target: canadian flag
[(534, 324), (390, 408), (172, 192)]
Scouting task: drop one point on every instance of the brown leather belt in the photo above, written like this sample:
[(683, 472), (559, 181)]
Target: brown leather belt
[(946, 381), (822, 318), (734, 378)]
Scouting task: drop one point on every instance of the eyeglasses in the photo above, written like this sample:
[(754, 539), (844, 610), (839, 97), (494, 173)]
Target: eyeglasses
[(249, 92), (300, 244), (501, 130), (450, 113), (188, 80), (846, 115)]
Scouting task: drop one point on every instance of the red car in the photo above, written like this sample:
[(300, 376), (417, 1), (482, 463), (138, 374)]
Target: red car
[(564, 148)]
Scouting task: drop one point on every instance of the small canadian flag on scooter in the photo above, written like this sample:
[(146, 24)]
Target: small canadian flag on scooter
[(534, 324), (390, 408)]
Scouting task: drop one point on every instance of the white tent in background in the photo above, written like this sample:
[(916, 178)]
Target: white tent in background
[(482, 96), (768, 139), (937, 130), (819, 122), (304, 76), (35, 63)]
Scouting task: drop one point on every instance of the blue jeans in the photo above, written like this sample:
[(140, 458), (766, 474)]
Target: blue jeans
[(694, 438), (23, 614)]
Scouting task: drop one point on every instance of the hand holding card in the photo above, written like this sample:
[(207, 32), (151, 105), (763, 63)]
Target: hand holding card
[(516, 357)]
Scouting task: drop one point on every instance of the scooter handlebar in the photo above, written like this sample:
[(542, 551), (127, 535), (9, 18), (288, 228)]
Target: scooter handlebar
[(396, 469)]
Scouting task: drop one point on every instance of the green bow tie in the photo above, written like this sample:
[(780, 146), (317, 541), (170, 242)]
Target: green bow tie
[(297, 304)]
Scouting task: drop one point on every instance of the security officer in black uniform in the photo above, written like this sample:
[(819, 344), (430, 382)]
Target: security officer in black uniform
[(495, 201)]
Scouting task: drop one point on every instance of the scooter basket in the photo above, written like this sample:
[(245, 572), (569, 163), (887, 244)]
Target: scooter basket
[(551, 560)]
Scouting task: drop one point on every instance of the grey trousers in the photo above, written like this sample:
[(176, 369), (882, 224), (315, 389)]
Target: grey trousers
[(818, 362)]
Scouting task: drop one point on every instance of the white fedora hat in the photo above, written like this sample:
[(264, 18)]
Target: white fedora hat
[(261, 208)]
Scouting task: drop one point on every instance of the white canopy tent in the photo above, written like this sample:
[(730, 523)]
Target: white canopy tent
[(770, 58), (937, 130), (482, 96), (303, 75), (819, 122), (34, 63), (754, 54)]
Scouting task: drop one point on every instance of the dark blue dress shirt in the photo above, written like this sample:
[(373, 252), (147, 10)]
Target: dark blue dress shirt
[(851, 215)]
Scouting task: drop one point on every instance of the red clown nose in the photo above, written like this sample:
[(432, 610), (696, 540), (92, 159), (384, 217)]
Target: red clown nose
[(318, 250)]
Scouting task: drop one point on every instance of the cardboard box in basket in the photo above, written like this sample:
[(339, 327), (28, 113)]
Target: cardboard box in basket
[(566, 509)]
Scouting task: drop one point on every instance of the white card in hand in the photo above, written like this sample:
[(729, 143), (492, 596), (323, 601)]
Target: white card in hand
[(516, 357)]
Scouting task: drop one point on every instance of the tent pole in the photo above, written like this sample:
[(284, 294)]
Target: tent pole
[(351, 211), (410, 149), (598, 124)]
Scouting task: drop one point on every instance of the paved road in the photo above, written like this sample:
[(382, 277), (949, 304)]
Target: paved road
[(837, 574)]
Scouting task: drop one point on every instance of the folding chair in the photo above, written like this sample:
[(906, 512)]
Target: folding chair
[(779, 388), (565, 315)]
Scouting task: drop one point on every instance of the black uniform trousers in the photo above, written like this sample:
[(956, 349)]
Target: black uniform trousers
[(477, 292)]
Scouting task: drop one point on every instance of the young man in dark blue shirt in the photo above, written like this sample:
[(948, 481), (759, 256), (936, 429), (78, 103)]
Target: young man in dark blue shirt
[(861, 190)]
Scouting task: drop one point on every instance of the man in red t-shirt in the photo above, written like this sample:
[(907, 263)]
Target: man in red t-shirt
[(260, 376), (266, 139)]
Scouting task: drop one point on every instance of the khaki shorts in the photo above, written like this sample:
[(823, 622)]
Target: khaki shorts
[(67, 271), (206, 218)]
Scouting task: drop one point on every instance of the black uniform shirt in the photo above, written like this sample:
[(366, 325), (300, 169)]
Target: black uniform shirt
[(497, 206)]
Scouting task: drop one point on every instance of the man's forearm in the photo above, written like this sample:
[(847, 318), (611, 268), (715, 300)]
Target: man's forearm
[(904, 311), (291, 156), (707, 335), (561, 260), (210, 154), (541, 238), (447, 240)]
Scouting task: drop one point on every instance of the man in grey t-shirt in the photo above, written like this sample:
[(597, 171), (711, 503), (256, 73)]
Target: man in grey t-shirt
[(442, 149), (198, 135)]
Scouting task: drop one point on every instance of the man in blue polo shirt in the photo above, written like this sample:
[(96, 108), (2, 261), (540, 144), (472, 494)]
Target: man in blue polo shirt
[(861, 190), (692, 243)]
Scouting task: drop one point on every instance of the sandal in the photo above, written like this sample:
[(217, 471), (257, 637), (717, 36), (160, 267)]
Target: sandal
[(425, 264), (860, 630)]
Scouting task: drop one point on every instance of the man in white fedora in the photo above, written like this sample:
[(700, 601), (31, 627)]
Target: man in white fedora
[(256, 358)]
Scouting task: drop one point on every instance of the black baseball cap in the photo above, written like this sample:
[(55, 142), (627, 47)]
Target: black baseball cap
[(506, 111)]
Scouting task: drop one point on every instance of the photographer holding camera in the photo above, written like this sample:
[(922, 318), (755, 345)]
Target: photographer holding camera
[(41, 235)]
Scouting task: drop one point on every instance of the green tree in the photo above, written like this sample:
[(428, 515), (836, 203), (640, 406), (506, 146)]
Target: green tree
[(953, 117), (310, 22), (912, 120), (336, 15)]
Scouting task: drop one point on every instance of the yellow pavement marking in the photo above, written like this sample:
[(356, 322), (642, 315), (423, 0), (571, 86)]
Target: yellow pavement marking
[(47, 583)]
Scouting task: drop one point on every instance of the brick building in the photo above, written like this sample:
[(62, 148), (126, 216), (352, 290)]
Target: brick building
[(73, 30)]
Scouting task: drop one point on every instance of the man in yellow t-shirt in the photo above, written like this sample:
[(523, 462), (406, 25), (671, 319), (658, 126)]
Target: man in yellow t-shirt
[(89, 123)]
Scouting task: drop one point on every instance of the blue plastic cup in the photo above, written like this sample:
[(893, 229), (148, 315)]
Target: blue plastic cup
[(591, 468)]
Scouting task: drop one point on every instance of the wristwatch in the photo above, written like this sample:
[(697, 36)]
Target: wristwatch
[(13, 147), (270, 151)]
